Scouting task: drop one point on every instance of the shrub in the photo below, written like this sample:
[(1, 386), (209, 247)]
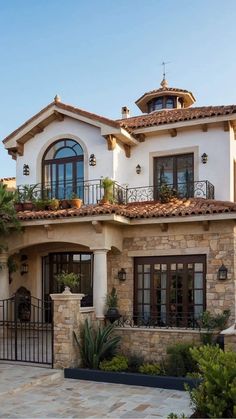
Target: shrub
[(135, 362), (150, 369), (215, 397), (179, 360), (117, 363), (212, 323), (96, 344)]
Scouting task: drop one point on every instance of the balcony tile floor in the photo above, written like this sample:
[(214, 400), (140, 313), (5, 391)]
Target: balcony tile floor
[(67, 398)]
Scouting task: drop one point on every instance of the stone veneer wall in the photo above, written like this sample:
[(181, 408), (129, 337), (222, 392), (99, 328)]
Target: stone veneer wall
[(151, 344), (218, 244)]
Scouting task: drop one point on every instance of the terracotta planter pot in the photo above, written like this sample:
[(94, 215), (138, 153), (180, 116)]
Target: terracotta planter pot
[(64, 204), (28, 206), (76, 202), (18, 206)]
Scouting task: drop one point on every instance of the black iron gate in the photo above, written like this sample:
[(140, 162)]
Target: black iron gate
[(25, 334)]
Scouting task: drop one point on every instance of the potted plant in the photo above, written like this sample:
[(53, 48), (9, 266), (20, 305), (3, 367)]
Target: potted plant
[(112, 313), (53, 204), (76, 202), (18, 200), (28, 197), (68, 279), (108, 186)]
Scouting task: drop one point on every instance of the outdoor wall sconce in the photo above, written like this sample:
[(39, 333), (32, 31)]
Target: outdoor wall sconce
[(222, 272), (204, 158), (26, 170), (138, 169), (24, 267), (92, 160), (122, 274)]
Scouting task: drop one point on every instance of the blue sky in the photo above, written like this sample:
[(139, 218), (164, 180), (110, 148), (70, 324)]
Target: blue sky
[(100, 55)]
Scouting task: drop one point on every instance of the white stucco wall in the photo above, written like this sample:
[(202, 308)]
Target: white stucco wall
[(218, 144), (87, 136), (215, 143)]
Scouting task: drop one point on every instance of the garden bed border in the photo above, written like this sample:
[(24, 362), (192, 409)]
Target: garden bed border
[(130, 378)]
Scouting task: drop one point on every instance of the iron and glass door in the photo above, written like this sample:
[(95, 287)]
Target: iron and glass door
[(79, 263), (170, 290), (63, 170), (177, 172)]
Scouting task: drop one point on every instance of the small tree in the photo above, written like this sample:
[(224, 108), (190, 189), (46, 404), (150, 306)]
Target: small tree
[(8, 217)]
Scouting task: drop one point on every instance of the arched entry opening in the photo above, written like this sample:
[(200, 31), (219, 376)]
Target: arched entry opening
[(63, 169)]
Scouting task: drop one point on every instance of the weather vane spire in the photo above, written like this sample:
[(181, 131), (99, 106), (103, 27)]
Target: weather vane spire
[(164, 82)]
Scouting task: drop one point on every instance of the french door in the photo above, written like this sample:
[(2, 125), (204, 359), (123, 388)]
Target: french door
[(169, 289), (175, 171), (79, 263)]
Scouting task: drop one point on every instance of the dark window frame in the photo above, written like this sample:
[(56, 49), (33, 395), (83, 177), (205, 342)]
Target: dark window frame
[(178, 259)]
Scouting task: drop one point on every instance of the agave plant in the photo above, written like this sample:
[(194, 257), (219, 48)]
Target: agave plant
[(96, 344)]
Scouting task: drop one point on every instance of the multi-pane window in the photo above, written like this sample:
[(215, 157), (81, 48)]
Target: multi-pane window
[(63, 169), (170, 289), (175, 171)]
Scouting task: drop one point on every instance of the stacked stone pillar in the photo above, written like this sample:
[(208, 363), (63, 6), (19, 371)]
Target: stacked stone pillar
[(66, 321), (4, 277)]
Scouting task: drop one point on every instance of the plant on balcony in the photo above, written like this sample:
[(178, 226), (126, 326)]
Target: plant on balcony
[(96, 344), (28, 196), (41, 204), (69, 280), (108, 187), (17, 199), (166, 193), (75, 201), (213, 323), (53, 204), (112, 313)]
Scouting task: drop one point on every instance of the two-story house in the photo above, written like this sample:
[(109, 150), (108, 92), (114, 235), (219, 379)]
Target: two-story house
[(165, 256)]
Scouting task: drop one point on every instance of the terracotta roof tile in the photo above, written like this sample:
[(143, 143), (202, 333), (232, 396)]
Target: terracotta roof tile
[(175, 208), (168, 116)]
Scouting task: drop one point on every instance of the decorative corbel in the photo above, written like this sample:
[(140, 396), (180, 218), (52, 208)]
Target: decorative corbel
[(59, 116), (204, 127), (50, 230), (173, 132), (127, 149), (111, 142), (97, 225), (206, 225), (164, 226), (226, 126)]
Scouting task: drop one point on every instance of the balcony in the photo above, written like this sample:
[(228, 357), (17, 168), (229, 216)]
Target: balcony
[(92, 191)]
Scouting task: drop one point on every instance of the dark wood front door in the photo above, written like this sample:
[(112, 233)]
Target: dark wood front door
[(170, 289)]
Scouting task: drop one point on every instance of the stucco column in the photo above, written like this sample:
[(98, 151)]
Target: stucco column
[(66, 320), (99, 281), (4, 277)]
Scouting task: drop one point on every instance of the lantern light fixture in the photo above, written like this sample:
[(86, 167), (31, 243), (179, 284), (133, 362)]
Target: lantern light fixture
[(26, 170), (24, 267), (138, 169), (222, 272), (204, 158), (122, 274), (92, 160)]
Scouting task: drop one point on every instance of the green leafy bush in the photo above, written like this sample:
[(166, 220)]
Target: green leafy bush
[(179, 361), (135, 362), (215, 397), (96, 344), (212, 323), (150, 369), (117, 363)]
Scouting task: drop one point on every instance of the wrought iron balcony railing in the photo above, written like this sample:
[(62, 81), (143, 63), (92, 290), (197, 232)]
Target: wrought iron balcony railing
[(92, 191), (163, 320)]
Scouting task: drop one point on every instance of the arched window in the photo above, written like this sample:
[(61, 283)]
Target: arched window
[(63, 169)]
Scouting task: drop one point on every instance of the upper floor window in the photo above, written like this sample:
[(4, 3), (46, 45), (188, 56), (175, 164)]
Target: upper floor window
[(63, 169), (163, 102)]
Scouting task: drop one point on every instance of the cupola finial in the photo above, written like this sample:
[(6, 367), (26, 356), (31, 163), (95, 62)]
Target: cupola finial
[(164, 82)]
